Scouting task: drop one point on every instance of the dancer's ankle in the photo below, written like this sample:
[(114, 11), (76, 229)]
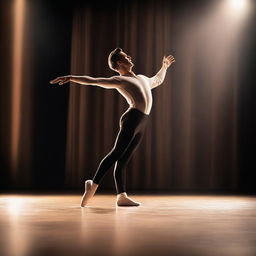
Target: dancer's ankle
[(122, 194)]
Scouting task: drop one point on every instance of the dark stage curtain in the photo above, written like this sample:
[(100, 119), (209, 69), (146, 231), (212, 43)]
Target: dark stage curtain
[(201, 131), (191, 138), (35, 48)]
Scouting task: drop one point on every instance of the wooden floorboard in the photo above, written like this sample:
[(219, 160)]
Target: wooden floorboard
[(177, 225)]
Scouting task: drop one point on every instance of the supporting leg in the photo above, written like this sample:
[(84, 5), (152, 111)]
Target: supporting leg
[(120, 165), (120, 173)]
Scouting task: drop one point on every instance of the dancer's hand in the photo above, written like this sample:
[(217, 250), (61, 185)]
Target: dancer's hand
[(167, 61), (61, 80)]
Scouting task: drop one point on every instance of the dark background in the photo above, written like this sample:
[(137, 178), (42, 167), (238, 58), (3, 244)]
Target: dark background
[(50, 34)]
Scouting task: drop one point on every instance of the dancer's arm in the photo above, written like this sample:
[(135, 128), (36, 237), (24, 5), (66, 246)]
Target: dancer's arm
[(108, 83), (159, 77)]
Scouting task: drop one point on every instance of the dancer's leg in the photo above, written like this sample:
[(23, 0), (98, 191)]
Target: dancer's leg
[(129, 123), (120, 173), (120, 165), (123, 139)]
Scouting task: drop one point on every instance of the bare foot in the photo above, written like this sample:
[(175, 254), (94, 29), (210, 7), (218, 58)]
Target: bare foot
[(124, 200), (90, 189)]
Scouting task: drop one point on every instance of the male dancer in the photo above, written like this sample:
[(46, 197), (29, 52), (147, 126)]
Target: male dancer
[(136, 89)]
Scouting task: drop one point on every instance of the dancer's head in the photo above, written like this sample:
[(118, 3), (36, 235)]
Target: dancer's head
[(119, 61)]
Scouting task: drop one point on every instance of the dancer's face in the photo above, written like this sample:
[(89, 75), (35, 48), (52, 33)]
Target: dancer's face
[(125, 61)]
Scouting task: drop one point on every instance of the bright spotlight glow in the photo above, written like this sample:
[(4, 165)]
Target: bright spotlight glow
[(19, 8), (238, 5), (15, 206)]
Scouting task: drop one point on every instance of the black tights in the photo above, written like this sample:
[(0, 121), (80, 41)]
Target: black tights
[(132, 126)]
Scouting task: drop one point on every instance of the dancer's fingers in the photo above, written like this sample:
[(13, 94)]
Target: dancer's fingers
[(53, 81), (168, 60), (56, 80), (64, 81), (172, 59)]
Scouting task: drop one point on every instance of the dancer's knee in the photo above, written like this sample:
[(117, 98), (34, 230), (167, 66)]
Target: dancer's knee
[(114, 155)]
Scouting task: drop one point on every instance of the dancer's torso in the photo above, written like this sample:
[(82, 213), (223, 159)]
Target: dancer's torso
[(137, 92)]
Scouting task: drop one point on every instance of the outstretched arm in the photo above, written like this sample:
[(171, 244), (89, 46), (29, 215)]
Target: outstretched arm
[(159, 77), (108, 83)]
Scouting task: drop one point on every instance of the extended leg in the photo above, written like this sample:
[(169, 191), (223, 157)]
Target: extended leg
[(123, 139)]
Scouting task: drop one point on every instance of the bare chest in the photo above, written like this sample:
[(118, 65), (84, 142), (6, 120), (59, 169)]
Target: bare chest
[(137, 92)]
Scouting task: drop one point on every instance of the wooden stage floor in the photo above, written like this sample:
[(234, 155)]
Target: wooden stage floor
[(173, 225)]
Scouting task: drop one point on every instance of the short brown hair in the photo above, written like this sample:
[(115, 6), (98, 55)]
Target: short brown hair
[(113, 57)]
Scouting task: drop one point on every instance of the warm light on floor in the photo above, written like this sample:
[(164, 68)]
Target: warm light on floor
[(15, 205), (163, 225)]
